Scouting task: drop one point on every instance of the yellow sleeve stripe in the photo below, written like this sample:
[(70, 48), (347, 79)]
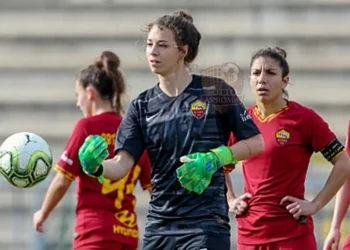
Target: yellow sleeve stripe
[(66, 173), (147, 186)]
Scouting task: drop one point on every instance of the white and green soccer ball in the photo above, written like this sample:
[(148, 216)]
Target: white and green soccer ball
[(25, 159)]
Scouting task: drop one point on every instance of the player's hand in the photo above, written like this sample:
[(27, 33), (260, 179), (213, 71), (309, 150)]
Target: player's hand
[(38, 221), (239, 205), (332, 240), (196, 172), (92, 153), (298, 207), (198, 168)]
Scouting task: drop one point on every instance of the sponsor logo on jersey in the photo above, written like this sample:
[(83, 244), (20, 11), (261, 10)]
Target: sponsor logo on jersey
[(65, 158), (198, 109), (282, 137), (245, 116)]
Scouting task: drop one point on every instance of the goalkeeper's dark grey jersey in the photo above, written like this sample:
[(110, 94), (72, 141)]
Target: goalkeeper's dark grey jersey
[(199, 119)]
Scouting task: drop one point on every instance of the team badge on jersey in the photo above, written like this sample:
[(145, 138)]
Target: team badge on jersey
[(198, 108), (282, 137)]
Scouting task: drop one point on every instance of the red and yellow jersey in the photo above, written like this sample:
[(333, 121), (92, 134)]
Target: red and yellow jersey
[(291, 136), (104, 212)]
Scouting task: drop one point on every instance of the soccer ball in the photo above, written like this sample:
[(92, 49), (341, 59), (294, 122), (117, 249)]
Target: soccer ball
[(25, 159)]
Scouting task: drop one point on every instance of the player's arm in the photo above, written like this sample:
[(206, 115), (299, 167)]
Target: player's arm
[(230, 195), (336, 179), (129, 147), (145, 175), (121, 164), (323, 140), (342, 203), (67, 168), (342, 200), (117, 167), (198, 168), (230, 192), (54, 194), (249, 141), (248, 148), (237, 205)]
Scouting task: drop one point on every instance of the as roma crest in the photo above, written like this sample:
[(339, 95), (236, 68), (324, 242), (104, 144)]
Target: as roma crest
[(282, 137), (198, 109)]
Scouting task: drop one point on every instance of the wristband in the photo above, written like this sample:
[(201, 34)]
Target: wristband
[(225, 155), (99, 174)]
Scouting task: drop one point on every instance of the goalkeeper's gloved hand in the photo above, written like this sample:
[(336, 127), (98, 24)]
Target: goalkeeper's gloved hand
[(91, 155), (198, 168)]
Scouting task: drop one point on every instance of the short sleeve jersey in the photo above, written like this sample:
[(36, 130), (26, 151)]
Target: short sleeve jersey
[(108, 207), (291, 136), (199, 119)]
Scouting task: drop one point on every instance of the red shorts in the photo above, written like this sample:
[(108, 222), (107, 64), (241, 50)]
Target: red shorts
[(346, 245), (306, 242), (104, 246), (96, 232)]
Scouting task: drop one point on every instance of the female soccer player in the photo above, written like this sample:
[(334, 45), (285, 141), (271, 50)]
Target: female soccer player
[(180, 116), (273, 213), (105, 216), (342, 203)]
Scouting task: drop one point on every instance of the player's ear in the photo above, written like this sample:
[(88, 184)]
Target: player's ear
[(90, 93), (185, 50), (285, 81)]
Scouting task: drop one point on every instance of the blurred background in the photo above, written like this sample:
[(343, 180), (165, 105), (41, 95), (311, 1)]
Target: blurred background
[(45, 43)]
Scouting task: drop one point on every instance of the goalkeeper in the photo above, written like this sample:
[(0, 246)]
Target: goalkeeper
[(183, 131)]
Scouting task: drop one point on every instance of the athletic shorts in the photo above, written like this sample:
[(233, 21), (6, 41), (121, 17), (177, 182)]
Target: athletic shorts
[(186, 242), (305, 242), (104, 246)]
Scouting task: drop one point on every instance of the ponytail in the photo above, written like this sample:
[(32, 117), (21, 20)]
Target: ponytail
[(104, 75)]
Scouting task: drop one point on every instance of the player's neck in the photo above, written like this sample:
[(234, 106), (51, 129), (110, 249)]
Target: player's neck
[(102, 108), (174, 83), (266, 109)]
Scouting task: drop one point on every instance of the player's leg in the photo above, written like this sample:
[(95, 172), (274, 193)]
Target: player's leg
[(203, 242), (305, 242), (346, 245), (158, 242)]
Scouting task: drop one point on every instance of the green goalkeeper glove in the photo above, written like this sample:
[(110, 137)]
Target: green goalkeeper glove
[(198, 168), (91, 155)]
